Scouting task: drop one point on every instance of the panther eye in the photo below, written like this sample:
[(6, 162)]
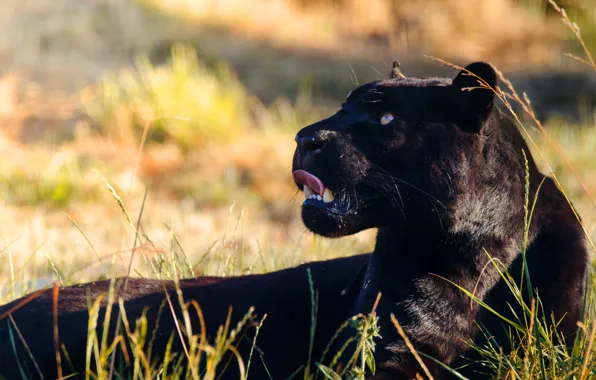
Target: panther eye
[(386, 118)]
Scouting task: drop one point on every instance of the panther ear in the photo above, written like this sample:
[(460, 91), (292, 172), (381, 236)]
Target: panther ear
[(474, 97)]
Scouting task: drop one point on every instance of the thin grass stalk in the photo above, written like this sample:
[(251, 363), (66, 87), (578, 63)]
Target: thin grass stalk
[(125, 285), (410, 346)]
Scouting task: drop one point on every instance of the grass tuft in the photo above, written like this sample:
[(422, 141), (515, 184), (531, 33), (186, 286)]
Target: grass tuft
[(186, 103)]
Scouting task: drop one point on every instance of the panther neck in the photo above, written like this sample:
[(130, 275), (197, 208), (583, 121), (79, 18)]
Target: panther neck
[(401, 258)]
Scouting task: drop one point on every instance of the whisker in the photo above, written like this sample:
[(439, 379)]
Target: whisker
[(384, 187), (438, 216), (388, 191), (387, 174), (290, 179), (293, 197), (397, 191)]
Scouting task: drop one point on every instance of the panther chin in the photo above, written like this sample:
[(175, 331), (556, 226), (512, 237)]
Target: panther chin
[(328, 213)]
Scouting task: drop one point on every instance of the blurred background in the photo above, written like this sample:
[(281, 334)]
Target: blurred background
[(198, 101)]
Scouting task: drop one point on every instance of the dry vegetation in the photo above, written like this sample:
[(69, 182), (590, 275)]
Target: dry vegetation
[(98, 102), (487, 28)]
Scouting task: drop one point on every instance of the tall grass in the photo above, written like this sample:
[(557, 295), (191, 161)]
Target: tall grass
[(538, 350), (183, 101), (39, 177), (185, 104)]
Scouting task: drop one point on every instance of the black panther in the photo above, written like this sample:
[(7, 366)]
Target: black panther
[(441, 172), (437, 168)]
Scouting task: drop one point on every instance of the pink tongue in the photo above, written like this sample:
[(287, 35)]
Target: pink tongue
[(305, 178)]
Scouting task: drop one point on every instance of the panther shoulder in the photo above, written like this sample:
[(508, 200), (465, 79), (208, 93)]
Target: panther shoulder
[(445, 177)]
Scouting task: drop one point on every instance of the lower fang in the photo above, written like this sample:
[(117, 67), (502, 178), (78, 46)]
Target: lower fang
[(328, 196), (307, 192)]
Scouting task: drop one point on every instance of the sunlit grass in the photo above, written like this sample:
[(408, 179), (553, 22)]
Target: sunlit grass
[(217, 208), (182, 101), (483, 27), (42, 177)]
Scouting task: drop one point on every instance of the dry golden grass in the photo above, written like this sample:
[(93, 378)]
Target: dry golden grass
[(51, 50), (500, 30), (73, 112), (65, 44)]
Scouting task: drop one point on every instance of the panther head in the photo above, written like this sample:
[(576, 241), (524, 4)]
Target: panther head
[(394, 151)]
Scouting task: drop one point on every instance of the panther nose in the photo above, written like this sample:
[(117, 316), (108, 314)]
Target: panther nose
[(307, 144)]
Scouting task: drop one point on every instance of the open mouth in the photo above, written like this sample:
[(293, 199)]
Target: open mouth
[(313, 187), (317, 195)]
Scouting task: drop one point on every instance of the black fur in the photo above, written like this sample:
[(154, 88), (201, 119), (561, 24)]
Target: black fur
[(283, 341), (444, 183)]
